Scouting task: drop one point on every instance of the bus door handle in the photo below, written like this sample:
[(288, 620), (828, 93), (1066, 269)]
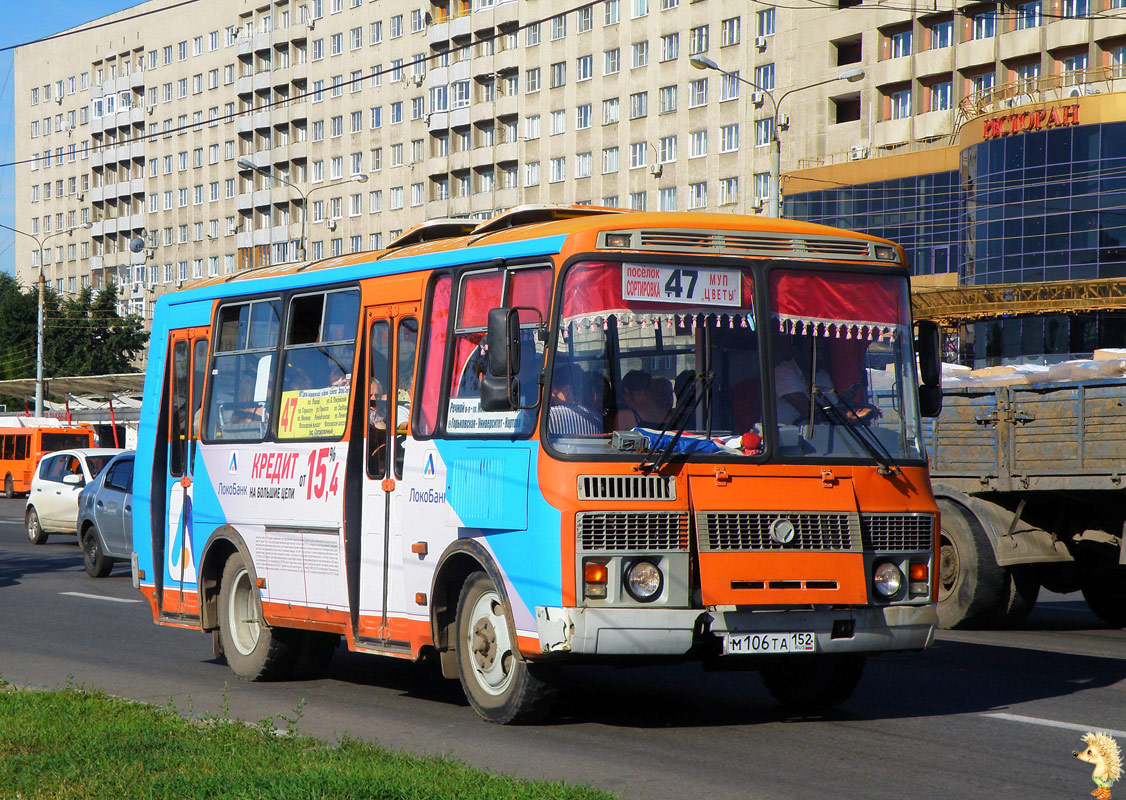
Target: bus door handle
[(100, 504)]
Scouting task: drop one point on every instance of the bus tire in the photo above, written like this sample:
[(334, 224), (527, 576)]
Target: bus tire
[(9, 486), (972, 588), (1105, 593), (35, 532), (94, 558), (500, 685), (254, 650), (812, 684)]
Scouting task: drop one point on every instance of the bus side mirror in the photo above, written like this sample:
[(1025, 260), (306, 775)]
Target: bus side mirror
[(928, 348), (503, 340), (500, 388)]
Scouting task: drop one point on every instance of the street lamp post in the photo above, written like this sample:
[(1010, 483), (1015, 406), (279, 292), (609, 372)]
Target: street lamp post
[(39, 327), (775, 188), (246, 163)]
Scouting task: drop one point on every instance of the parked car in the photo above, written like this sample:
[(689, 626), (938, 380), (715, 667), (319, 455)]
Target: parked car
[(105, 516), (52, 503)]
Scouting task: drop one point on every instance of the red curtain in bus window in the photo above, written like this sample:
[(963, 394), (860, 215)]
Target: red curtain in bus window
[(593, 292), (435, 352), (838, 305), (479, 294), (530, 287)]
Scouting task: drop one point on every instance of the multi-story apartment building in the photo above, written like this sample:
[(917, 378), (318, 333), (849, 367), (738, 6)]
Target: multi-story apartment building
[(373, 117)]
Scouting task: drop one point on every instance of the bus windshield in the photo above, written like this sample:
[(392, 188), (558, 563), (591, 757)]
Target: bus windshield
[(649, 348), (651, 353)]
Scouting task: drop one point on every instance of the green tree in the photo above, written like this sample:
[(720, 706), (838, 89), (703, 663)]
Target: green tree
[(85, 335), (82, 335)]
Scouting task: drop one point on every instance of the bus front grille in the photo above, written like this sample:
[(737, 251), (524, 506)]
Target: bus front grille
[(727, 531), (897, 532), (627, 487), (631, 530)]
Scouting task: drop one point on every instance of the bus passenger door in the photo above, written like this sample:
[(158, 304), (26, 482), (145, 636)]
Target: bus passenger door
[(188, 365), (392, 339)]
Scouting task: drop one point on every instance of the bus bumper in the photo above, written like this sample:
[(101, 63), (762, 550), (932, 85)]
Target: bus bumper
[(657, 631)]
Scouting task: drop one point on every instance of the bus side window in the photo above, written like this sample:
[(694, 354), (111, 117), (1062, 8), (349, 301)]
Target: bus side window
[(407, 345), (430, 364), (21, 445), (199, 370), (178, 435), (241, 384)]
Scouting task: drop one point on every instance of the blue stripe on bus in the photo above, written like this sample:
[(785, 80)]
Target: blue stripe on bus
[(530, 557), (548, 245)]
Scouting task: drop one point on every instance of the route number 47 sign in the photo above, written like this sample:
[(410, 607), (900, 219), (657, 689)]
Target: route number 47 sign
[(688, 285)]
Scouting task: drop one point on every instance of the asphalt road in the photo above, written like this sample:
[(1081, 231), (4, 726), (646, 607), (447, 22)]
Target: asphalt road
[(979, 715)]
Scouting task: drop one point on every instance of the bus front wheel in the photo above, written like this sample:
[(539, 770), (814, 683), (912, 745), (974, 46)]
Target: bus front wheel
[(500, 685), (254, 651), (812, 684)]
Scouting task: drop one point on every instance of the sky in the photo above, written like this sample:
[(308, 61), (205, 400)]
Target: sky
[(24, 22)]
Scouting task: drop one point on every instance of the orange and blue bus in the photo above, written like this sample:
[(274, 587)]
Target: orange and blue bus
[(559, 436), (21, 448)]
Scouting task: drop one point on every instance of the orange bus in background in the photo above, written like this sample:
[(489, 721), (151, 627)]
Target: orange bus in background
[(21, 449)]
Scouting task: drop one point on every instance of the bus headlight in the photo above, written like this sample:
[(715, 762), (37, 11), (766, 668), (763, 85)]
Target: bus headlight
[(887, 579), (644, 581)]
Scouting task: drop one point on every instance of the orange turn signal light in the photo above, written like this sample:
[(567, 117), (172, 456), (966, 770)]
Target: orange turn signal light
[(594, 572), (918, 573)]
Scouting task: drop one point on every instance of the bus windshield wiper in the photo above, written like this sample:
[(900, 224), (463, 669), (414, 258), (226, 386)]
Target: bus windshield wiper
[(681, 418), (860, 433)]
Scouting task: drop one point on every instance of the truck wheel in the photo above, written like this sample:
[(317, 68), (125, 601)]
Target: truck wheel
[(501, 686), (972, 590), (1024, 588), (254, 651), (94, 559), (1105, 593), (812, 684), (35, 532)]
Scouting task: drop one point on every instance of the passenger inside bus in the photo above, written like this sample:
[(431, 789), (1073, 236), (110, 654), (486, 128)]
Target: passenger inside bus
[(645, 403), (568, 415), (377, 428)]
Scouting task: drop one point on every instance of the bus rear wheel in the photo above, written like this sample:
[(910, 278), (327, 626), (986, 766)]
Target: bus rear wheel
[(254, 650), (9, 486), (500, 685)]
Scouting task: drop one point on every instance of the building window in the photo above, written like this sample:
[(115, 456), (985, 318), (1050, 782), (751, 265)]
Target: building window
[(698, 93), (638, 154), (697, 195), (728, 191), (584, 68), (558, 74), (583, 117), (1076, 8), (610, 110), (1028, 15), (900, 44), (941, 94), (984, 24), (557, 169), (582, 165), (611, 12), (609, 160), (670, 47), (666, 150), (532, 173), (640, 54), (729, 32), (698, 40), (729, 138), (698, 144), (901, 104), (667, 99), (667, 199), (764, 22), (611, 61), (638, 105)]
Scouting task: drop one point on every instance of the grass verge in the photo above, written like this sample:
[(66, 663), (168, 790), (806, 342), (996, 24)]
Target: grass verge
[(74, 744)]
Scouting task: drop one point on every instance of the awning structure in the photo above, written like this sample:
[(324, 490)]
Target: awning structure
[(87, 398), (955, 305)]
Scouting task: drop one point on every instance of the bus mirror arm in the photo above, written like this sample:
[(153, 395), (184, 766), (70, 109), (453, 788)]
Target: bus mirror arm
[(929, 350)]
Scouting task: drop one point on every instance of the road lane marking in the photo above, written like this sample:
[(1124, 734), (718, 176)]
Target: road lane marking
[(1051, 723), (99, 597)]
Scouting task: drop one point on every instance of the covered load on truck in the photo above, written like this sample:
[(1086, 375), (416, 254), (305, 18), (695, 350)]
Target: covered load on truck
[(1028, 466)]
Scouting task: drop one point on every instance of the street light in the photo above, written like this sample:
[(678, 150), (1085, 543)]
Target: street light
[(246, 163), (775, 188), (42, 289)]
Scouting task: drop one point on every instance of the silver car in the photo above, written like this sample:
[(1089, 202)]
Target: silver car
[(105, 517)]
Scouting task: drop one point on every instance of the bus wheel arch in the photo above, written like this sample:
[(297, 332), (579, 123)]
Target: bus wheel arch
[(459, 561), (222, 543)]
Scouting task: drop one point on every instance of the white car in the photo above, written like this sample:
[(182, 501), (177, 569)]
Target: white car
[(52, 503)]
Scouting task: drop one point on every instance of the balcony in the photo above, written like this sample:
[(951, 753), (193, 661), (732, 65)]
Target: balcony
[(137, 186), (244, 239), (245, 84), (97, 193), (1020, 43), (1068, 33), (437, 33), (97, 158), (245, 201), (261, 198), (438, 121), (136, 80), (976, 53), (261, 81), (261, 236)]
